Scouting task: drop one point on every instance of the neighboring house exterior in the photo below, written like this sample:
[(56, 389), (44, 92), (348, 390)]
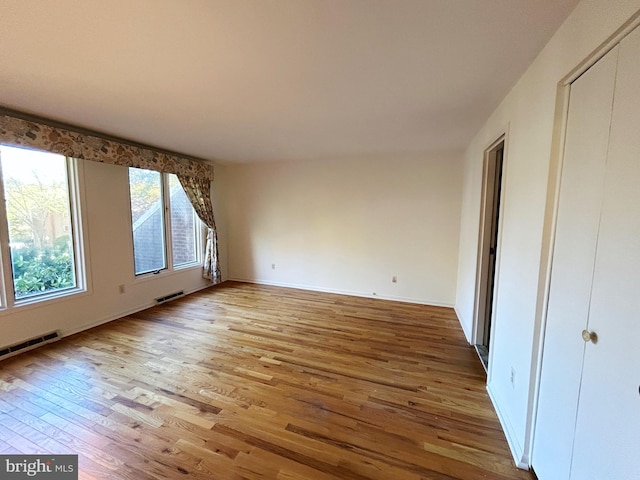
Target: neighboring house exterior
[(148, 229)]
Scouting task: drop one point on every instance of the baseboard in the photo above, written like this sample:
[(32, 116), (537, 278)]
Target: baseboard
[(520, 459), (462, 324), (124, 313), (343, 292)]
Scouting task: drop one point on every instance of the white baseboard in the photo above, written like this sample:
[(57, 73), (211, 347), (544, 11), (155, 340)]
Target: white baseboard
[(517, 452), (467, 335), (343, 292)]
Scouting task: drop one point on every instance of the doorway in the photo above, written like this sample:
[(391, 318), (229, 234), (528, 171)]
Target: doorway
[(488, 247)]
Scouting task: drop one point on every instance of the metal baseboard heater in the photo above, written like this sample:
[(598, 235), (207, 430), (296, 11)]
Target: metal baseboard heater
[(25, 345), (170, 296)]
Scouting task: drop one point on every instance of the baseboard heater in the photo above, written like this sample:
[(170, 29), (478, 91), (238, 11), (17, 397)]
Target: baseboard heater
[(170, 296), (11, 350)]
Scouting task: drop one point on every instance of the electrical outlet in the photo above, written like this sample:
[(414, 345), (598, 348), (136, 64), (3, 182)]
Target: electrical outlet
[(394, 279), (513, 378), (121, 289), (273, 266)]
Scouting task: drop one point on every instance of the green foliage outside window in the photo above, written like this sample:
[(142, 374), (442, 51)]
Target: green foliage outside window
[(42, 270)]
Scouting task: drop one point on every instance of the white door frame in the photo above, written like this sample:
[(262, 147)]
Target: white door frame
[(484, 237)]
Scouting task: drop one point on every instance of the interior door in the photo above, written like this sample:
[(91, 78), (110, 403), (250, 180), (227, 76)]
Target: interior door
[(607, 436), (580, 200)]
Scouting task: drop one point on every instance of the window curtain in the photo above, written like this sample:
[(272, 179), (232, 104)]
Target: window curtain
[(199, 192), (20, 130)]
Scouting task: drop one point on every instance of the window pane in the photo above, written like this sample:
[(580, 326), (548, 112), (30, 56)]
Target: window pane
[(184, 225), (39, 221), (147, 214)]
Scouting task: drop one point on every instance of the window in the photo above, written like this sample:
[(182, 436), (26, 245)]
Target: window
[(160, 240), (39, 225), (147, 217), (185, 225)]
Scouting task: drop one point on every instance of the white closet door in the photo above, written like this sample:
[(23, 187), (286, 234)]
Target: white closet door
[(607, 437), (580, 203)]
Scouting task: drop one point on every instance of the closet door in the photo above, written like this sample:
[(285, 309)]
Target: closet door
[(580, 201), (607, 434)]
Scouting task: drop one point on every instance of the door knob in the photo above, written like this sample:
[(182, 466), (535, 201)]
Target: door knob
[(588, 336)]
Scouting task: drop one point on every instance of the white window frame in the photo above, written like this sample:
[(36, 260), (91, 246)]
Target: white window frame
[(168, 238), (76, 190)]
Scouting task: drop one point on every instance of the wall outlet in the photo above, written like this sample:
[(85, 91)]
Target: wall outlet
[(513, 378), (121, 289), (394, 279), (273, 266)]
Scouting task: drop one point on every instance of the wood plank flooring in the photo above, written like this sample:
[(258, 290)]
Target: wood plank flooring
[(242, 381)]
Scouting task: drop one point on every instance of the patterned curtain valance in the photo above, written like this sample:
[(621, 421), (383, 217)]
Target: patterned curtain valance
[(22, 132)]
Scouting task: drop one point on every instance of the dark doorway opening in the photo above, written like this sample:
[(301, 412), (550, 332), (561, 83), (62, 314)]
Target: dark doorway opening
[(490, 220)]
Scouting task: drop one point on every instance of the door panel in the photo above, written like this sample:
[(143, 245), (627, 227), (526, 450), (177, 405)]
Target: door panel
[(607, 441), (579, 208)]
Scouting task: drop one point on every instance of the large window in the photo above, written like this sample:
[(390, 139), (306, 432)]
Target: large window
[(40, 237), (166, 229)]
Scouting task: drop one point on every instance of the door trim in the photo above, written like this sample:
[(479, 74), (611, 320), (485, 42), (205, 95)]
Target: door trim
[(484, 237)]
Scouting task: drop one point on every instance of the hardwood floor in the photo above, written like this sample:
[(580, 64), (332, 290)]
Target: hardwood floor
[(252, 382)]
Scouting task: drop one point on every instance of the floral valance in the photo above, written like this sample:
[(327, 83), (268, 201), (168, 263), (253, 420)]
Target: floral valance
[(21, 132)]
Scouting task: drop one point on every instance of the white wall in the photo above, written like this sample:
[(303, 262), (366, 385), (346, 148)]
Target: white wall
[(110, 258), (528, 113), (348, 225)]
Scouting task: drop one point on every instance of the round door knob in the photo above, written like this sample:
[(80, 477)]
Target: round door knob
[(588, 336)]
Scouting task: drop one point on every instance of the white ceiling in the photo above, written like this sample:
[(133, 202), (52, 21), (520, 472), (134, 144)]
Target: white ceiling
[(262, 80)]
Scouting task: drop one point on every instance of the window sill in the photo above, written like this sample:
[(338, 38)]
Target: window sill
[(145, 277), (43, 300)]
